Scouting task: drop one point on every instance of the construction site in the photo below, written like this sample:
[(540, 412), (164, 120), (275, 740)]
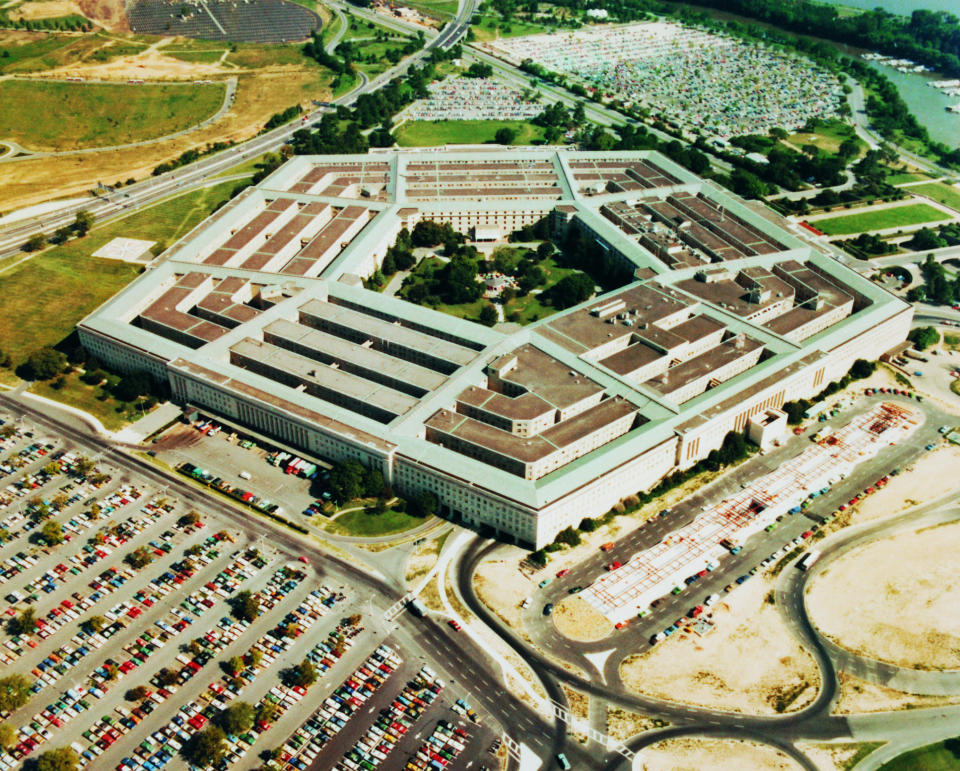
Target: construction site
[(655, 572)]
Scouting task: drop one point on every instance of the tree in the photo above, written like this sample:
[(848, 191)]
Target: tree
[(8, 736), (190, 518), (488, 315), (132, 386), (423, 504), (36, 242), (137, 694), (14, 692), (747, 184), (589, 524), (52, 532), (924, 337), (256, 656), (245, 606), (925, 239), (25, 623), (372, 483), (346, 481), (505, 136), (303, 674), (45, 363), (544, 250), (59, 759), (206, 748), (61, 235), (139, 558), (166, 677), (570, 290), (862, 368), (82, 222), (568, 536), (84, 465), (267, 712), (235, 666), (237, 718), (479, 70)]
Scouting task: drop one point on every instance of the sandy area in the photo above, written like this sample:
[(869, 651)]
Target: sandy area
[(622, 724), (930, 477), (697, 754), (831, 757), (258, 97), (50, 9), (749, 663), (576, 620), (151, 64), (421, 561), (109, 13), (857, 696), (904, 609), (502, 587)]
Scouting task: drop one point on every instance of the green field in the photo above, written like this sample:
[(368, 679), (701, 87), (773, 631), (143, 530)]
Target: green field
[(43, 298), (828, 136), (423, 133), (438, 9), (112, 413), (901, 178), (360, 523), (946, 194), (933, 757), (897, 216), (101, 114)]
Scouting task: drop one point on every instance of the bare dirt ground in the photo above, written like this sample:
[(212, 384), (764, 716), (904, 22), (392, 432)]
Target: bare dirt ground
[(111, 14), (422, 561), (576, 620), (749, 663), (698, 754), (830, 757), (622, 724), (151, 64), (50, 9), (501, 587), (858, 696), (931, 477), (259, 96), (904, 609)]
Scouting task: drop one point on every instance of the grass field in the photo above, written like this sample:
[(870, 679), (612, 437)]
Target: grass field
[(360, 523), (933, 757), (902, 178), (897, 216), (438, 9), (43, 298), (93, 399), (458, 132), (101, 114), (492, 27), (946, 194), (828, 136)]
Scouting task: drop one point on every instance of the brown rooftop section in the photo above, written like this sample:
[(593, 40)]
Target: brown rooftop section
[(701, 366), (524, 407), (735, 295), (330, 235), (631, 358), (540, 374), (581, 331)]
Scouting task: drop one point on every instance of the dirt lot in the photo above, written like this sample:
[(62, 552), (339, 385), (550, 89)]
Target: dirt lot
[(577, 620), (904, 609), (698, 754), (622, 724), (50, 9), (929, 478), (501, 587), (857, 696), (749, 663)]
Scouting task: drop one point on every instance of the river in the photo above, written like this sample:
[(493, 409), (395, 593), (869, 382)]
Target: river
[(899, 6)]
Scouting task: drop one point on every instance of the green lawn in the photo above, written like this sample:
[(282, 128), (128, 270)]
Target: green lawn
[(933, 757), (438, 9), (257, 55), (112, 413), (200, 57), (901, 178), (100, 114), (828, 136), (946, 194), (43, 298), (423, 133), (878, 219), (360, 523), (492, 27)]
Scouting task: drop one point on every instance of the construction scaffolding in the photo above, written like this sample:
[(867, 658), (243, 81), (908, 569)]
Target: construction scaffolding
[(695, 548)]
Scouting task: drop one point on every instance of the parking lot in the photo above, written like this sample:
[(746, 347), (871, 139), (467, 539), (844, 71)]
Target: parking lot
[(144, 618)]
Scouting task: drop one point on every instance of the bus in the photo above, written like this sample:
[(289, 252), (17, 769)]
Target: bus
[(807, 560)]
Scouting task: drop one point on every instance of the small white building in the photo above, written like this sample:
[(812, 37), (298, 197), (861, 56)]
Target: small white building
[(767, 428)]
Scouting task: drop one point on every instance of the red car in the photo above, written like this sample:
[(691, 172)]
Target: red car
[(454, 624), (303, 559), (614, 565), (562, 573)]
